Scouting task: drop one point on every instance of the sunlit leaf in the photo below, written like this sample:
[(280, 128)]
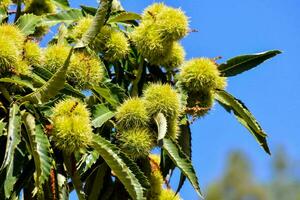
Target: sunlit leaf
[(182, 162), (243, 63), (101, 115), (28, 22), (51, 87), (121, 167), (40, 148), (244, 116)]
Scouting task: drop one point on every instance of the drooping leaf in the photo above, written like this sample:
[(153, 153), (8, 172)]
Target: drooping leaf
[(24, 177), (13, 156), (161, 123), (46, 75), (18, 81), (28, 22), (185, 143), (98, 21), (13, 135), (40, 147), (121, 167), (95, 182), (166, 164), (123, 17), (88, 10), (13, 172), (51, 87), (244, 116), (2, 127), (182, 162), (68, 17), (243, 63), (101, 115), (63, 4)]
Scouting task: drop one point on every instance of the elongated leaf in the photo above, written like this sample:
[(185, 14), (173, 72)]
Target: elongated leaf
[(88, 10), (46, 75), (95, 184), (28, 22), (185, 143), (64, 4), (40, 148), (98, 21), (52, 87), (123, 17), (13, 139), (161, 123), (182, 162), (25, 176), (243, 63), (67, 17), (166, 164), (101, 115), (244, 116), (13, 135), (18, 81), (13, 172), (112, 93), (121, 167)]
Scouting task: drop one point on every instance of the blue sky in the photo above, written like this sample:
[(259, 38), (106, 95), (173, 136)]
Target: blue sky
[(271, 91)]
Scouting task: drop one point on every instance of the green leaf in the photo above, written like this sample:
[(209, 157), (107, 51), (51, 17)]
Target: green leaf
[(112, 93), (17, 80), (122, 167), (64, 4), (28, 22), (67, 17), (2, 127), (161, 123), (52, 87), (3, 14), (101, 115), (124, 16), (185, 143), (40, 148), (87, 161), (24, 177), (13, 135), (243, 63), (62, 183), (182, 162), (13, 172), (244, 116), (98, 21), (166, 164), (46, 75), (13, 139), (95, 182), (89, 10)]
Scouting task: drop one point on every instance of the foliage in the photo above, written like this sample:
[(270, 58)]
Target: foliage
[(85, 112)]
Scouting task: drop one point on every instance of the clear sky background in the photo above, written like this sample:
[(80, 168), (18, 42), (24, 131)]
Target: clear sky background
[(271, 91)]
